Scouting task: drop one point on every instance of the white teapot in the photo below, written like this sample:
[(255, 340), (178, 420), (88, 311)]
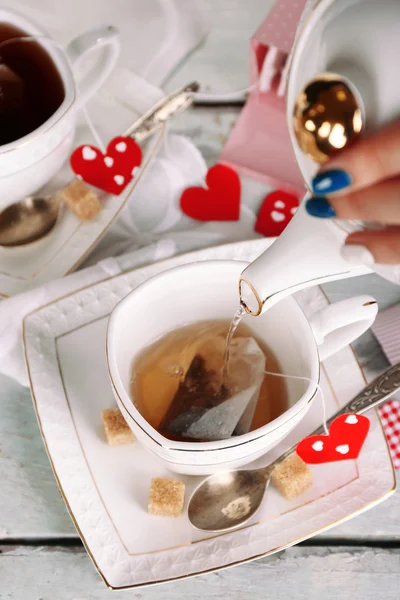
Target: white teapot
[(357, 39)]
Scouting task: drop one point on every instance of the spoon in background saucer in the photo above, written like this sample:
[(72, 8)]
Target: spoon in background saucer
[(228, 500), (34, 217)]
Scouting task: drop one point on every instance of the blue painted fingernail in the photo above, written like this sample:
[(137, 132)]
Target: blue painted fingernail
[(320, 207), (330, 181)]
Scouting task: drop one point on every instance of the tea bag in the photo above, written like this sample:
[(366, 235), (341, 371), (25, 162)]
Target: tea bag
[(199, 393), (207, 408)]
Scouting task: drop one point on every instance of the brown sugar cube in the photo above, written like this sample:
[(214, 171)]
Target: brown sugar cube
[(292, 477), (116, 428), (81, 200), (167, 497)]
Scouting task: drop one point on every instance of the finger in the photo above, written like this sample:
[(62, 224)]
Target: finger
[(377, 204), (382, 244), (370, 160)]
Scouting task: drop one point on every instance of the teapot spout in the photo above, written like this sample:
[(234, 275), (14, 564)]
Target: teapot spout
[(307, 253)]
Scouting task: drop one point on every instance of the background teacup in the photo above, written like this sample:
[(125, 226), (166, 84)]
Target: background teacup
[(27, 163), (206, 291)]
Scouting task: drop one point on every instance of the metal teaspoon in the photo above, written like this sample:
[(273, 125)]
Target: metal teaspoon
[(210, 506)]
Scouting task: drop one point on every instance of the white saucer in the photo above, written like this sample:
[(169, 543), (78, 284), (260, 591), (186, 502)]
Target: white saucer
[(106, 488), (71, 240)]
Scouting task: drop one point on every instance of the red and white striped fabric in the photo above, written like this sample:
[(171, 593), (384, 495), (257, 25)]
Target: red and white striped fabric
[(387, 331)]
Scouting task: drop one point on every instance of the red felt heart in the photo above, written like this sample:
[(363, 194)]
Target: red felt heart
[(110, 172), (220, 201), (276, 211), (345, 440)]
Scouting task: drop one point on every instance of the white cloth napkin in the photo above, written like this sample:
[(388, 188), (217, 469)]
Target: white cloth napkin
[(13, 310)]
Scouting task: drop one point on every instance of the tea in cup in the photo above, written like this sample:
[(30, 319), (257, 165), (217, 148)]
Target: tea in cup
[(184, 389), (40, 99)]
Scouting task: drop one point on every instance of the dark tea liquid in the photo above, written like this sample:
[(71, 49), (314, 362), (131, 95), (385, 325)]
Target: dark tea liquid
[(160, 369), (31, 89)]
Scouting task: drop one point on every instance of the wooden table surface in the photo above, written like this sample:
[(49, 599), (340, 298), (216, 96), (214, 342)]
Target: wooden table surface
[(41, 556)]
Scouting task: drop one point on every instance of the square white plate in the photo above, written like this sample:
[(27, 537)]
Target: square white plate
[(106, 488)]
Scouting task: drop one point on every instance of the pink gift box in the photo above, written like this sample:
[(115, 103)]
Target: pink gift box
[(259, 144)]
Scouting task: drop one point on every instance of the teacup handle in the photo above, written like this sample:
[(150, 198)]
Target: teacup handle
[(339, 324), (78, 49)]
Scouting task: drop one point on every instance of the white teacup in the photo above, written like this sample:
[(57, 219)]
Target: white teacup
[(209, 290), (31, 161)]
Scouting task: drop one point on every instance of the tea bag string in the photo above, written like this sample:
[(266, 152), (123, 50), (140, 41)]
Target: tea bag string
[(318, 387), (34, 38)]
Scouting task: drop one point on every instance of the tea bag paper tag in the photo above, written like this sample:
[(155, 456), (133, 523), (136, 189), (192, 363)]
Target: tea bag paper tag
[(250, 358)]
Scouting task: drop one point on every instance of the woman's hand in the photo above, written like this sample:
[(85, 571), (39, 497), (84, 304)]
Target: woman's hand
[(363, 183)]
